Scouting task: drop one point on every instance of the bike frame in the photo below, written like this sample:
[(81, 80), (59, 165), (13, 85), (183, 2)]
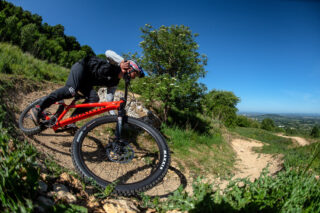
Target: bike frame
[(102, 107)]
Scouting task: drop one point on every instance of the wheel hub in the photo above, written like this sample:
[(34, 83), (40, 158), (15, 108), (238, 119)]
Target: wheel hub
[(120, 152)]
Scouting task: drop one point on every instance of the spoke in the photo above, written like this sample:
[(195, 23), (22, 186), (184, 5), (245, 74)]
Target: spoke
[(132, 163)]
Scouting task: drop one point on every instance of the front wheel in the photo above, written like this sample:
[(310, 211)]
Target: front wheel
[(134, 164)]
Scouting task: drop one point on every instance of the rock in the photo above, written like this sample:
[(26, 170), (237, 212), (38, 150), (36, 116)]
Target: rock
[(45, 201), (121, 206), (66, 178), (134, 108), (62, 193), (92, 202), (43, 176), (43, 187)]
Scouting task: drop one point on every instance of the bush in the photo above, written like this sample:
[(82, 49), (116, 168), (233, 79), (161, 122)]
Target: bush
[(315, 132), (19, 176), (267, 124), (244, 121)]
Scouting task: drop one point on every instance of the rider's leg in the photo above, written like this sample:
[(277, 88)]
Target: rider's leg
[(110, 96), (91, 97), (76, 77)]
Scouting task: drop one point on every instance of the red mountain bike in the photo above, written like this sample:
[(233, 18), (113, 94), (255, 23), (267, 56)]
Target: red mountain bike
[(121, 150)]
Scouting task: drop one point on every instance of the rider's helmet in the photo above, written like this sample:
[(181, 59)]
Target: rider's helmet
[(136, 68)]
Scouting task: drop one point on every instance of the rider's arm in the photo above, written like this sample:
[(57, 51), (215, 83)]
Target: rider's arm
[(116, 59), (113, 57)]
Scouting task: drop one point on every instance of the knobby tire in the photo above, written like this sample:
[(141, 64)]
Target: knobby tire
[(26, 123), (147, 148)]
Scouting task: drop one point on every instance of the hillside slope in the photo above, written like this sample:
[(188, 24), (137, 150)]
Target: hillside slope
[(17, 91)]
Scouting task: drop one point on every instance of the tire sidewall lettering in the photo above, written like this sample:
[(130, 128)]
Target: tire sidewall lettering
[(162, 166)]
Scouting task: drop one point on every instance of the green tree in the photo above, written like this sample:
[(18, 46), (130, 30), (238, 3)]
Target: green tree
[(174, 66), (267, 124), (29, 34), (221, 105), (172, 50), (11, 30), (244, 121), (88, 50), (315, 132)]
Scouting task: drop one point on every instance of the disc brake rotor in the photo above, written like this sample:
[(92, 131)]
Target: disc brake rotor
[(119, 152)]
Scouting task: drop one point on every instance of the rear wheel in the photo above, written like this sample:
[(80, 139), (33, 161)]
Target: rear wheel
[(29, 126), (26, 122), (138, 162)]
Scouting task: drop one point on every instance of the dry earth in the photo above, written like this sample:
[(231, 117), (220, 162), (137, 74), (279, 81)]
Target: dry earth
[(249, 163), (299, 140)]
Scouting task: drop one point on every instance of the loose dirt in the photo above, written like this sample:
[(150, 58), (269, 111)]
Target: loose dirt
[(250, 163), (299, 140)]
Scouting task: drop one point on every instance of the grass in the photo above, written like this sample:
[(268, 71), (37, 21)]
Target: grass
[(13, 61), (292, 190), (203, 154), (289, 191)]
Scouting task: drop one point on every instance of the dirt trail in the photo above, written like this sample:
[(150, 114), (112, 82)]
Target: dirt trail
[(249, 163), (299, 140)]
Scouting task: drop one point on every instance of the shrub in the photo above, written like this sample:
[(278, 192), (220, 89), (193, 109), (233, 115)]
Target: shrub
[(315, 132), (267, 124), (289, 191)]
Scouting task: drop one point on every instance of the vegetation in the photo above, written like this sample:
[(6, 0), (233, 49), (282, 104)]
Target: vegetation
[(19, 161), (14, 61), (315, 132), (191, 115), (267, 124), (291, 124), (244, 121), (221, 105), (188, 147), (19, 176), (174, 66), (45, 42), (289, 191)]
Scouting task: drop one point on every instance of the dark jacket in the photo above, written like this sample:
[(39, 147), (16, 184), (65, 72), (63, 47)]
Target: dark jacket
[(101, 72)]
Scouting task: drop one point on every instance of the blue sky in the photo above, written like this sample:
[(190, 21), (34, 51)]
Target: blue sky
[(265, 51)]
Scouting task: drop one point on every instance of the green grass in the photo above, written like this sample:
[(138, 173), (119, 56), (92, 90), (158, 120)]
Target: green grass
[(202, 153), (289, 191), (13, 61), (294, 156)]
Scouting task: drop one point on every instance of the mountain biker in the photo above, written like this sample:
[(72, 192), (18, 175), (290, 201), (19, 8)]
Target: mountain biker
[(84, 75)]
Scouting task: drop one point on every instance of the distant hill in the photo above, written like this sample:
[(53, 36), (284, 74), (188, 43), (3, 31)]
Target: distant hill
[(288, 120)]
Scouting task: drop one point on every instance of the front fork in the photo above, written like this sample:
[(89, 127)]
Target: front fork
[(121, 120)]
